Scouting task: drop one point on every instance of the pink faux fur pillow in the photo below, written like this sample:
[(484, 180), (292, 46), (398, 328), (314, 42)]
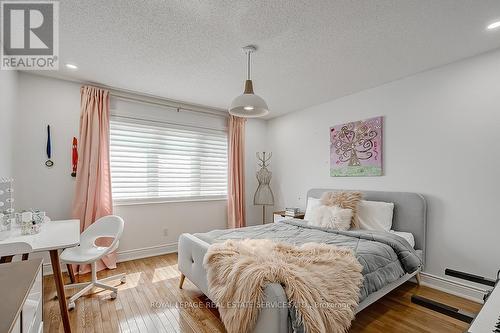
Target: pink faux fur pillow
[(347, 200)]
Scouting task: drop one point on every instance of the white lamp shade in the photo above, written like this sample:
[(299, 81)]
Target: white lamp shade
[(248, 106)]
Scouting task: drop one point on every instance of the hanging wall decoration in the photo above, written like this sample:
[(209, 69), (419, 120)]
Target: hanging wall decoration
[(74, 156), (356, 148), (49, 162)]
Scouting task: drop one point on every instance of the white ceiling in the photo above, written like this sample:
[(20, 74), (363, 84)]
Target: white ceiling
[(309, 51)]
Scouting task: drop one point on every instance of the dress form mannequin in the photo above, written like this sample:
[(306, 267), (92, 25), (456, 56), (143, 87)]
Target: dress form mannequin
[(263, 195)]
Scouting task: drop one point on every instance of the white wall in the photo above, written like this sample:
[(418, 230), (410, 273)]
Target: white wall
[(441, 131), (8, 97), (43, 102), (50, 101)]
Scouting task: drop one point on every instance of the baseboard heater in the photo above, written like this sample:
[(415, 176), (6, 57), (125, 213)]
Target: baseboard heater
[(487, 320)]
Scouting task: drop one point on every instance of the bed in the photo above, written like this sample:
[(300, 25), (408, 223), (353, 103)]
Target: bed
[(409, 217)]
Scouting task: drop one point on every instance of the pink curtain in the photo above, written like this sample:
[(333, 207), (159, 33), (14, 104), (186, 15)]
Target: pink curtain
[(93, 181), (236, 173)]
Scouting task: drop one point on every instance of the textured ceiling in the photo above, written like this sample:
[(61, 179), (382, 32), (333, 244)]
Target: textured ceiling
[(309, 51)]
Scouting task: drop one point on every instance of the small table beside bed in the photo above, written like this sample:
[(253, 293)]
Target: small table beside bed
[(388, 260)]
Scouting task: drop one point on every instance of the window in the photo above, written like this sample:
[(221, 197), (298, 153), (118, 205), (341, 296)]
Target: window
[(153, 161)]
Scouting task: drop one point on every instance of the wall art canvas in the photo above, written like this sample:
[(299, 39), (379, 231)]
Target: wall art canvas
[(356, 148)]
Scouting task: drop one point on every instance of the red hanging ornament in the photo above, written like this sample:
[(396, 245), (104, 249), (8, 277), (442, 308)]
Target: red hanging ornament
[(74, 160)]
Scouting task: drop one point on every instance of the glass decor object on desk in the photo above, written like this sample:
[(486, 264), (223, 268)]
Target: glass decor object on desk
[(5, 226), (18, 218), (31, 222), (30, 228), (6, 207), (38, 216)]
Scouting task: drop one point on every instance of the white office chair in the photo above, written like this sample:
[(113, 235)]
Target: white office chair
[(89, 253)]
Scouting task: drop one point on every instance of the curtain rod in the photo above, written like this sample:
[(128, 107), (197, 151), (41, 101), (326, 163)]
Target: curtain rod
[(145, 98), (162, 102), (142, 120)]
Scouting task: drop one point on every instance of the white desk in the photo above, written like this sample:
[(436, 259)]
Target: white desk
[(53, 236)]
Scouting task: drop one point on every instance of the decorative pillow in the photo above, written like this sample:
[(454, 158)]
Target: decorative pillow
[(311, 204), (331, 217), (347, 200), (375, 215)]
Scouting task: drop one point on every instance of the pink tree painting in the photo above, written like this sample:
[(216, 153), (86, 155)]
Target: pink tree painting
[(356, 148)]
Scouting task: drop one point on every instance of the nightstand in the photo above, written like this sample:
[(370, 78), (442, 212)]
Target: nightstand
[(280, 216)]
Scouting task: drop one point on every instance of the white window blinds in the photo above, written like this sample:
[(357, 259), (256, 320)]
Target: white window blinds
[(153, 161)]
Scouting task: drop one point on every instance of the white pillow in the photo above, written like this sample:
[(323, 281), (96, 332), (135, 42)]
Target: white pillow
[(375, 215), (408, 236), (311, 204), (331, 217)]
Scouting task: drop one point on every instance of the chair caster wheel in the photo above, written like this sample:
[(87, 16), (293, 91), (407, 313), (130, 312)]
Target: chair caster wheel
[(113, 295), (71, 305), (123, 279)]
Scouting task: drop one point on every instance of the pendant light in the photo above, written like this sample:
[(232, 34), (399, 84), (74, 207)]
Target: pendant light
[(249, 105)]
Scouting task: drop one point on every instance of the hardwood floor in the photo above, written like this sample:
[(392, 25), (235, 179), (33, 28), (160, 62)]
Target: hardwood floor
[(150, 301)]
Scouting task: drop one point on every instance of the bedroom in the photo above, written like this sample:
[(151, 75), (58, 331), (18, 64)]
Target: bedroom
[(143, 79)]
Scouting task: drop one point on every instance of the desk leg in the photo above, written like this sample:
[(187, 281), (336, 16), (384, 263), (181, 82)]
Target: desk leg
[(71, 273), (58, 279)]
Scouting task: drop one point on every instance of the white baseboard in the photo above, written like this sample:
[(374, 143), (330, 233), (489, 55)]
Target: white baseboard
[(127, 255), (453, 287), (146, 252)]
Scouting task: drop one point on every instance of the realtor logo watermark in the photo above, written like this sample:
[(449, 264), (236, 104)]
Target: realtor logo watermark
[(30, 35)]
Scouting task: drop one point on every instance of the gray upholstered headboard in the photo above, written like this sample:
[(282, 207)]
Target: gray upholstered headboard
[(410, 210)]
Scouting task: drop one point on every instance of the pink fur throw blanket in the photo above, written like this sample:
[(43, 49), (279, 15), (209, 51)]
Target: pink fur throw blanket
[(321, 281)]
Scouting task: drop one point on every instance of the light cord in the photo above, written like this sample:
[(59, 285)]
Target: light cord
[(248, 67)]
